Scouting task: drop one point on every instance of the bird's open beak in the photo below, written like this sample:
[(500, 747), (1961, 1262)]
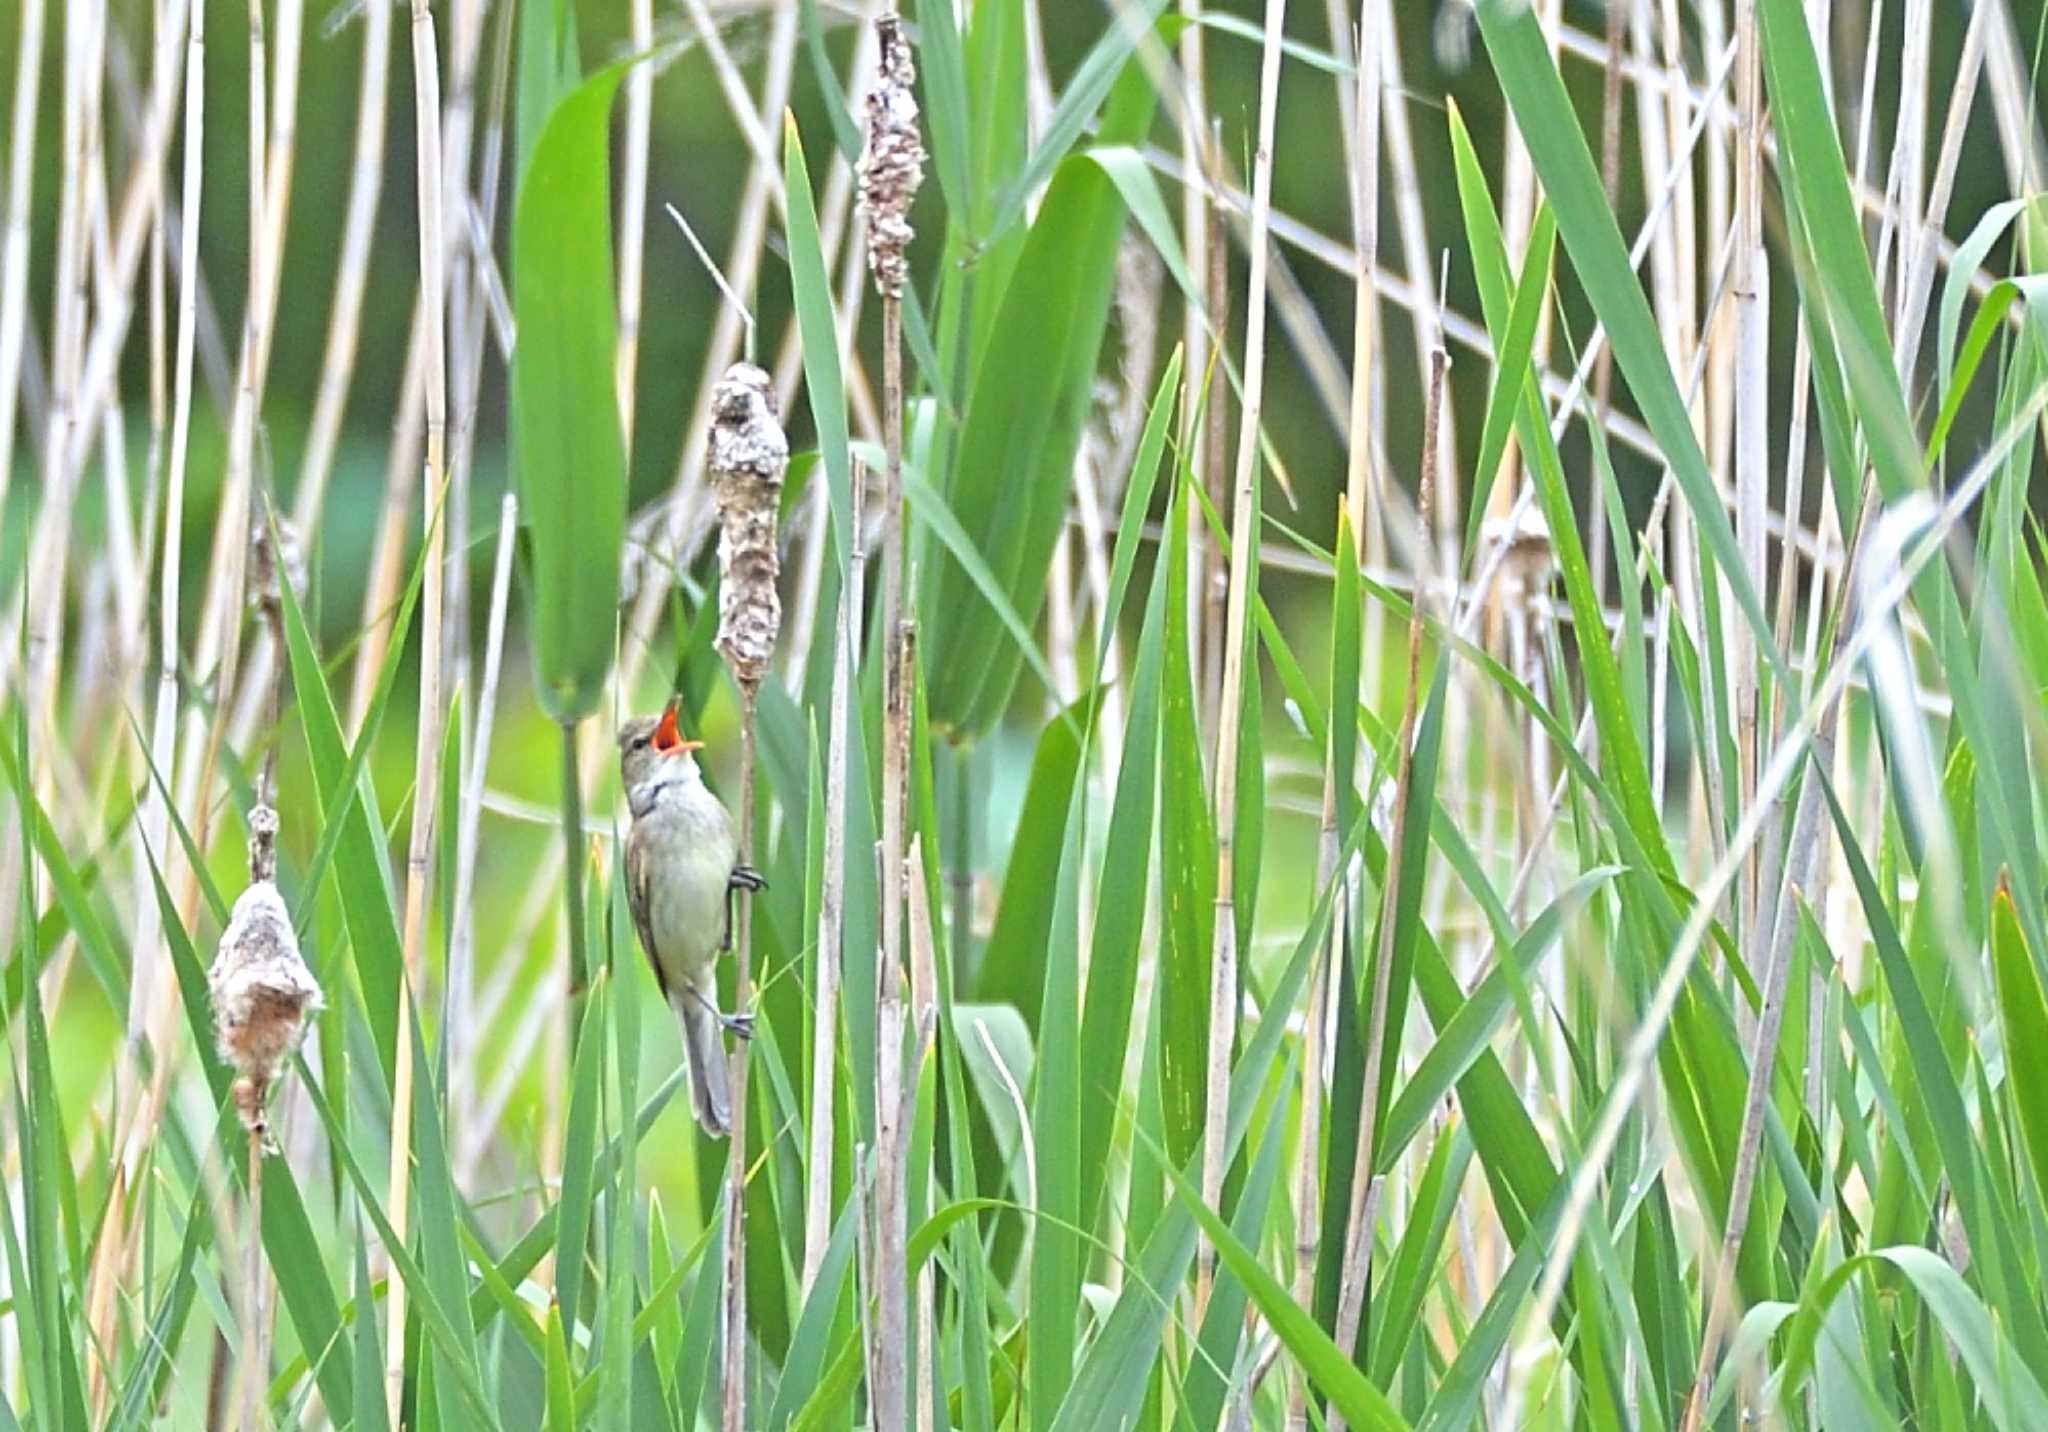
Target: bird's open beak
[(668, 736)]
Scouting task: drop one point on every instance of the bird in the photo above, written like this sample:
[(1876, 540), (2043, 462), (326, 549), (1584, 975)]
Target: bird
[(682, 873)]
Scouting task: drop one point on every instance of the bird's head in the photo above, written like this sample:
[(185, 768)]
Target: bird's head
[(652, 749)]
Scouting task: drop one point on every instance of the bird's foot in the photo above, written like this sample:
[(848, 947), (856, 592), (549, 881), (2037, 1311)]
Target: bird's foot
[(746, 877), (740, 1026)]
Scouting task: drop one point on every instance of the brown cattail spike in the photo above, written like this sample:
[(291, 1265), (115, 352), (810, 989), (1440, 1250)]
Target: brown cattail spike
[(262, 992), (892, 161), (749, 455)]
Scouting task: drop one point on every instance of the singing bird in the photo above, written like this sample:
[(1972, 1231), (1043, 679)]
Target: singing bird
[(682, 868)]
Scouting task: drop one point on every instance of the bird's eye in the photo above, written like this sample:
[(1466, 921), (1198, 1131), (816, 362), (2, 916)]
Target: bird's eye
[(640, 743)]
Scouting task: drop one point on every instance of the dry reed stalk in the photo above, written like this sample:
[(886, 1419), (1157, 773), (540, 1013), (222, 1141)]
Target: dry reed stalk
[(140, 204), (1361, 109), (1872, 613), (924, 1004), (1358, 1237), (462, 1026), (1806, 858), (262, 997), (352, 270), (50, 538), (469, 273), (1426, 304), (387, 551), (822, 1111), (14, 246), (746, 462), (1308, 1208), (1199, 239), (143, 997), (891, 169), (832, 913), (1917, 278), (633, 209), (742, 264), (217, 657), (1223, 951), (427, 752), (148, 1012), (1749, 370)]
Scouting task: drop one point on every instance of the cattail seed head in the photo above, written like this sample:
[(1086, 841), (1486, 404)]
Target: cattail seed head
[(749, 455), (892, 160), (261, 991)]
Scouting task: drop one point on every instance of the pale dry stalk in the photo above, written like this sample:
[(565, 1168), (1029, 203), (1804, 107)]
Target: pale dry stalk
[(891, 169), (1308, 1186), (463, 1030), (1750, 283), (1358, 1236), (427, 751), (747, 460), (832, 900), (14, 245), (352, 271), (1200, 226), (633, 209), (262, 996)]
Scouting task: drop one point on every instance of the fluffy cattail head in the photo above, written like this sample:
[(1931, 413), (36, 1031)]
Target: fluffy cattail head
[(892, 160), (261, 991), (749, 455)]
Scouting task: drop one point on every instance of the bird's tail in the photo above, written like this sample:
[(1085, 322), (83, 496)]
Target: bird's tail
[(704, 1044)]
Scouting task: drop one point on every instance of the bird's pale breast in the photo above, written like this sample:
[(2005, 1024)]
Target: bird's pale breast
[(694, 853)]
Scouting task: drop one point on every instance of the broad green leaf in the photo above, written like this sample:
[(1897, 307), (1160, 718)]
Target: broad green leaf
[(570, 455)]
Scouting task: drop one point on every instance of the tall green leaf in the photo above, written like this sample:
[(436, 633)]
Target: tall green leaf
[(571, 456)]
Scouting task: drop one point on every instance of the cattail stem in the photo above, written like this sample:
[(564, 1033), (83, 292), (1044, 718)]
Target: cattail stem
[(735, 1342), (255, 1345), (748, 457), (891, 168)]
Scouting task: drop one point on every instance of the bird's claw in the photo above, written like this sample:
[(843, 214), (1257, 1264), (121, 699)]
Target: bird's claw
[(746, 877), (740, 1026)]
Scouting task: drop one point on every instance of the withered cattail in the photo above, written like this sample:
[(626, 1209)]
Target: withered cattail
[(892, 160), (749, 455), (262, 992)]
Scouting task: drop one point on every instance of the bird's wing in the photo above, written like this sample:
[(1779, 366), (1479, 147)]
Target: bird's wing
[(639, 875)]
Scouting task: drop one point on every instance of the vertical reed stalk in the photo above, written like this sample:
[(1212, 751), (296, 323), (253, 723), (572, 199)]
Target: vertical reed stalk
[(1358, 1238), (427, 752), (891, 168), (1198, 238), (352, 273), (1750, 284), (748, 457), (461, 1029), (21, 150), (633, 210), (832, 917), (255, 1353), (734, 1370), (1223, 952)]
